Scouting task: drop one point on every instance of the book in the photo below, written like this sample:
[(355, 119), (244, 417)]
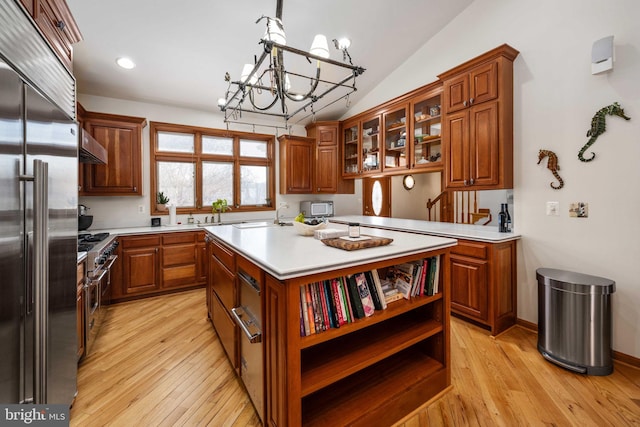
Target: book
[(378, 283), (317, 315), (333, 319), (436, 279), (325, 309), (373, 290), (432, 272), (395, 297), (365, 296), (417, 275), (304, 316), (423, 278), (354, 296), (344, 299), (310, 314), (337, 301)]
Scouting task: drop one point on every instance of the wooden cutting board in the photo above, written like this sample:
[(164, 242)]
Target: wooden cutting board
[(349, 245)]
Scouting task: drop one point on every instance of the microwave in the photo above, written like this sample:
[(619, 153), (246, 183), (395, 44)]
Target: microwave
[(316, 209)]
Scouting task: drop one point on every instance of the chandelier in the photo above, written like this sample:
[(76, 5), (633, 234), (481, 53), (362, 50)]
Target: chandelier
[(267, 88)]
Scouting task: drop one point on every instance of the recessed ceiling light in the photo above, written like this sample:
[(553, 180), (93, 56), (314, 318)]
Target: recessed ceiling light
[(125, 63)]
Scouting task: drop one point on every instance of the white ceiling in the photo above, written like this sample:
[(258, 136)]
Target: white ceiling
[(184, 48)]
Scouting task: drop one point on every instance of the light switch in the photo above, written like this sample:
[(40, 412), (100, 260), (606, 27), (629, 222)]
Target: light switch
[(553, 208)]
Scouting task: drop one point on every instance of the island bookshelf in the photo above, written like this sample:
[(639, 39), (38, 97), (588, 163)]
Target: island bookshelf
[(373, 371)]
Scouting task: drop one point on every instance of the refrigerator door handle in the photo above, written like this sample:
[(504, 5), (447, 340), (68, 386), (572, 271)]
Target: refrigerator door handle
[(41, 276)]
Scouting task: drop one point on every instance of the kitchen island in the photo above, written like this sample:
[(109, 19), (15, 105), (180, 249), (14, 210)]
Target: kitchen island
[(372, 371)]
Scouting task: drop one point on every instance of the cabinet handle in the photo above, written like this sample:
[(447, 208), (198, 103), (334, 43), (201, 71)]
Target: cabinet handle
[(472, 181), (465, 103), (465, 182), (60, 25), (471, 101), (135, 189)]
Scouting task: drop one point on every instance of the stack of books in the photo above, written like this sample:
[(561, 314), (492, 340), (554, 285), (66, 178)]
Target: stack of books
[(332, 303)]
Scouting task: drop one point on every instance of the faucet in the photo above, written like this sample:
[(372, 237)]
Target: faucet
[(282, 205)]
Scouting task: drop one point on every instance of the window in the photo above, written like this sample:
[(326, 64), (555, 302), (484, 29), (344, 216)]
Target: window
[(195, 166)]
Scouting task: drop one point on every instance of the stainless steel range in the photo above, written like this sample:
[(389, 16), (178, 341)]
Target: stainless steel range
[(101, 257)]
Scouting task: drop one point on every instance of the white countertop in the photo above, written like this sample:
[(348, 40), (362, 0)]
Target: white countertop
[(479, 233), (284, 254)]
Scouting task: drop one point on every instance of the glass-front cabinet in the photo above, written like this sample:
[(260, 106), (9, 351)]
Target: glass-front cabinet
[(362, 147), (350, 149), (371, 145), (396, 148), (427, 131)]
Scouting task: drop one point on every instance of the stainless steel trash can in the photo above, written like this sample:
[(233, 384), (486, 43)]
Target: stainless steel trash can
[(574, 320)]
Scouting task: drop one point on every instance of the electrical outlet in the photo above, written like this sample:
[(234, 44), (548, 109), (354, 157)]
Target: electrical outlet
[(553, 208), (140, 208)]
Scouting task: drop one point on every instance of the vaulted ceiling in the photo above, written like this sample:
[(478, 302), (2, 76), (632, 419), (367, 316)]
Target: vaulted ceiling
[(184, 48)]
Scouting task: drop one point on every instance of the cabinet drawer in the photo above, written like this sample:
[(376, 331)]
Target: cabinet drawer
[(251, 269), (140, 242), (224, 255), (183, 275), (472, 249), (223, 284), (177, 255), (177, 238), (225, 328)]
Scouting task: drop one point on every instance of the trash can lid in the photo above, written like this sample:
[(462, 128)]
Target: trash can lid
[(575, 282)]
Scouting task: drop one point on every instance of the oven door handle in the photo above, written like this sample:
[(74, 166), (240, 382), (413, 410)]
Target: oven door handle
[(110, 261), (247, 323), (99, 278)]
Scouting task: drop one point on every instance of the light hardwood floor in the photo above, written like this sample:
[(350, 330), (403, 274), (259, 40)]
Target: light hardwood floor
[(158, 362)]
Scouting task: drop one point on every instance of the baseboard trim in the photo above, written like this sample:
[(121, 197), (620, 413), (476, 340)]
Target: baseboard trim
[(617, 356)]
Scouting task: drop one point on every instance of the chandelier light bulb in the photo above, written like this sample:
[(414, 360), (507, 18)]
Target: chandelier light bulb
[(320, 47), (222, 102), (344, 43)]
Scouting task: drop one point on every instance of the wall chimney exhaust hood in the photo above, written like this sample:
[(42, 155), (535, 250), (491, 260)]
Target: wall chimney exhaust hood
[(90, 150)]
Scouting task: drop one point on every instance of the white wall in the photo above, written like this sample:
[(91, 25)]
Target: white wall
[(116, 212), (555, 98)]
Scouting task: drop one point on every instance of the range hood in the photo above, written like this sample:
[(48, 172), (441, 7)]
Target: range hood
[(91, 151)]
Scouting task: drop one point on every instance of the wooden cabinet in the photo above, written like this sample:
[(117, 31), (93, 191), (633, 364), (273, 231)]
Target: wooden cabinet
[(362, 146), (296, 164), (426, 131), (181, 260), (57, 24), (154, 264), (60, 29), (223, 296), (121, 136), (326, 170), (483, 283), (477, 129), (396, 147), (140, 264), (309, 165), (80, 309)]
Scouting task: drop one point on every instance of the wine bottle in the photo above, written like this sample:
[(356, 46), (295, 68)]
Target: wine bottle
[(506, 210), (502, 219)]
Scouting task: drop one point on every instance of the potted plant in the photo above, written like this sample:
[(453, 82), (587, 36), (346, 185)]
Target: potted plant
[(220, 206), (161, 201)]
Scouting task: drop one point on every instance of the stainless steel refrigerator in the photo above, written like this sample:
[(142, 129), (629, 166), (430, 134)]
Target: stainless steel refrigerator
[(38, 217)]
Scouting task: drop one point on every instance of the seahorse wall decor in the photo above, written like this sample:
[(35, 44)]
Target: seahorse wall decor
[(598, 127), (552, 165)]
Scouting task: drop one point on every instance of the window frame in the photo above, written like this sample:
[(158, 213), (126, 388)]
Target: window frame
[(155, 155)]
